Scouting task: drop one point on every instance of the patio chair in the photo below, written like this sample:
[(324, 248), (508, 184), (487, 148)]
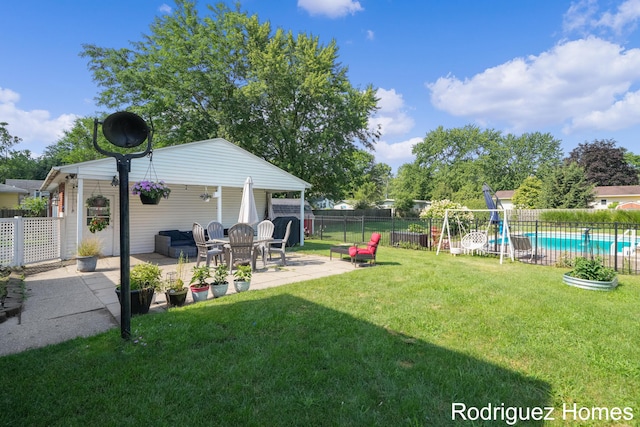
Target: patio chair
[(474, 241), (240, 247), (522, 244), (365, 253), (265, 232), (215, 230), (205, 250), (279, 245)]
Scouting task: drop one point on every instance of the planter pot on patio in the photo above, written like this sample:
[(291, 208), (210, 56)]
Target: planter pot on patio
[(140, 300), (176, 298), (199, 293), (592, 285), (86, 263), (219, 290), (241, 286)]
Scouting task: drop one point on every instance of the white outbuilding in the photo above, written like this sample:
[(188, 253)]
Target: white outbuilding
[(214, 167)]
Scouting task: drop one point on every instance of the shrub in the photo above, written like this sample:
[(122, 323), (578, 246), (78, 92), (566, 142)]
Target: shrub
[(34, 206), (89, 246), (592, 269), (145, 275)]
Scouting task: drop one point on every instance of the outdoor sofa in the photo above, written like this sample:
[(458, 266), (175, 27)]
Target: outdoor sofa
[(171, 242)]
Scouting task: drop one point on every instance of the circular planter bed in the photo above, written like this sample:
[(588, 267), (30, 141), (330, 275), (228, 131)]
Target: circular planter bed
[(592, 285)]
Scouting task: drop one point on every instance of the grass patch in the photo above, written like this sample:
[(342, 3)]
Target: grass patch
[(394, 344)]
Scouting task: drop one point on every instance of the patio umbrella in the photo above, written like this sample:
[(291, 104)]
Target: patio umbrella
[(248, 212)]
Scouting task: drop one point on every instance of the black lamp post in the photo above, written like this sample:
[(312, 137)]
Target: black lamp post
[(125, 130)]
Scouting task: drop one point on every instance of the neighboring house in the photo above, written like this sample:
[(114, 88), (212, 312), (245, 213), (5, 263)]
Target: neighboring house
[(604, 196), (343, 205), (607, 195), (216, 165), (31, 185), (418, 205), (11, 196), (323, 203), (506, 198)]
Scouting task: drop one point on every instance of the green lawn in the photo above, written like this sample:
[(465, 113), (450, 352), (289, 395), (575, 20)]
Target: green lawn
[(395, 344)]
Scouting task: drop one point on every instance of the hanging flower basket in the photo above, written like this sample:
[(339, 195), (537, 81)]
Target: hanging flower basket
[(150, 200), (98, 201), (150, 192), (98, 223)]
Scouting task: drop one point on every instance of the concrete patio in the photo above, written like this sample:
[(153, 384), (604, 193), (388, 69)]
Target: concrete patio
[(63, 303)]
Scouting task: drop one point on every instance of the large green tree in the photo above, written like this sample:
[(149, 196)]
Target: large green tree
[(456, 162), (604, 163), (284, 97), (18, 164), (566, 187), (527, 196)]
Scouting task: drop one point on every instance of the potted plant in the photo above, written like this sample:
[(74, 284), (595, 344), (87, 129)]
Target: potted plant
[(98, 201), (591, 274), (98, 223), (242, 277), (88, 253), (198, 285), (144, 279), (175, 291), (220, 283), (150, 192)]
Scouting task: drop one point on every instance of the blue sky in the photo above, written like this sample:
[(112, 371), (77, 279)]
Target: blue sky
[(570, 68)]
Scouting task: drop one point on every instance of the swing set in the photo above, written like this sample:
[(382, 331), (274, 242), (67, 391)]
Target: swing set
[(459, 238)]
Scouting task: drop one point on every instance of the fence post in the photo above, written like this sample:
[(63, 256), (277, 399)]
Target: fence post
[(393, 229), (535, 244), (18, 242), (615, 246), (344, 229), (362, 229), (321, 226)]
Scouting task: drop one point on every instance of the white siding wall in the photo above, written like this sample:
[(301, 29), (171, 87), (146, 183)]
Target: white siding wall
[(90, 187), (187, 169), (183, 207)]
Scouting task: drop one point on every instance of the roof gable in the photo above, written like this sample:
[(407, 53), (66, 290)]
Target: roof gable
[(211, 162)]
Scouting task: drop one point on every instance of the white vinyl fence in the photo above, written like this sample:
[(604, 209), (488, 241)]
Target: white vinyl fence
[(29, 240)]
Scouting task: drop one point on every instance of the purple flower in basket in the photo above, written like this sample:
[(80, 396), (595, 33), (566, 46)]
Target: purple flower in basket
[(150, 189)]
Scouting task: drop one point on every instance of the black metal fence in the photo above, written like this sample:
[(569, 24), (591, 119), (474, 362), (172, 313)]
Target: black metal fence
[(375, 213), (549, 243)]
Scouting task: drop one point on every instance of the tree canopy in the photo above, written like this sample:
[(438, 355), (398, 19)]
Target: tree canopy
[(604, 163), (566, 187), (281, 96), (454, 163)]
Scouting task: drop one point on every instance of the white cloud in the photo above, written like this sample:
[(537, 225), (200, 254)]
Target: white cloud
[(579, 16), (165, 8), (582, 17), (330, 8), (370, 35), (396, 154), (627, 15), (391, 117), (567, 84), (36, 128), (622, 114), (397, 151)]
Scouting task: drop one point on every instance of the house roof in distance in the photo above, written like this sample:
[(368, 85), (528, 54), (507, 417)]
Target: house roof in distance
[(4, 188)]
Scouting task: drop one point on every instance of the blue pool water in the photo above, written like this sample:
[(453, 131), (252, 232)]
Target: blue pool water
[(575, 243)]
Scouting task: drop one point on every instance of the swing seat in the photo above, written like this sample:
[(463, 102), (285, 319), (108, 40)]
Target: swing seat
[(474, 241)]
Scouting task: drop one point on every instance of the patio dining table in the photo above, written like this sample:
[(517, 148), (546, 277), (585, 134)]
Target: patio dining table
[(224, 241)]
